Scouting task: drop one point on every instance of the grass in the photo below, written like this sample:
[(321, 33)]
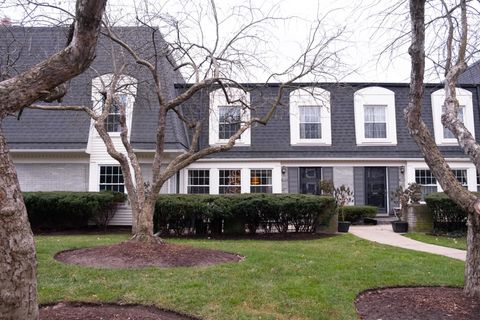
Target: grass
[(316, 279), (457, 243)]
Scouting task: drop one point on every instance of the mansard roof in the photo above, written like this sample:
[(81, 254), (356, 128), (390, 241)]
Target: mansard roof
[(22, 47)]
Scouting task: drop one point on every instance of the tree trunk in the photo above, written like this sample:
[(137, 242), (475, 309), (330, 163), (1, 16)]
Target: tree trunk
[(472, 265), (142, 225), (18, 292)]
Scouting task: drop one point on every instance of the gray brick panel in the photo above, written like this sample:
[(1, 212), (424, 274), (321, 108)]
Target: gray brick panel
[(359, 185), (393, 183), (293, 180), (53, 177), (327, 173)]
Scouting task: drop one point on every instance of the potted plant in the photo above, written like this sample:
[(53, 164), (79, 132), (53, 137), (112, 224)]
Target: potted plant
[(343, 196), (401, 198)]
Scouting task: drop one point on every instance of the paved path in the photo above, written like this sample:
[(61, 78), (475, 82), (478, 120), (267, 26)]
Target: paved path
[(384, 234)]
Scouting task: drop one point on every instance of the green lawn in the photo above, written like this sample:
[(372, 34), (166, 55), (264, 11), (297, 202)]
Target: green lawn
[(457, 243), (316, 279)]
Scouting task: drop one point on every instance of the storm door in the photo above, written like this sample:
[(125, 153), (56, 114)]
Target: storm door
[(310, 180), (376, 188)]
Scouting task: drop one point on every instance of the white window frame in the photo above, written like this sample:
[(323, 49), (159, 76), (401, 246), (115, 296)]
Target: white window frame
[(411, 166), (218, 99), (260, 184), (197, 185), (464, 98), (245, 174), (427, 185), (309, 97), (111, 183), (375, 96), (239, 185), (128, 87)]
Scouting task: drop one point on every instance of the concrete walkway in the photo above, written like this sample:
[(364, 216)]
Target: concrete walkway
[(384, 234)]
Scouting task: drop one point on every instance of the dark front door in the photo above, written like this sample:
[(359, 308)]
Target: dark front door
[(310, 180), (376, 188)]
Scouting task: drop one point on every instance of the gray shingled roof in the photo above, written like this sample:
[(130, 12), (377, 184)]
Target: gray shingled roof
[(471, 75), (69, 130)]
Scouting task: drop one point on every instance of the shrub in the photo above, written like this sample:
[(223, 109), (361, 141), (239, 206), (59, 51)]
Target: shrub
[(357, 213), (178, 213), (447, 216), (63, 210)]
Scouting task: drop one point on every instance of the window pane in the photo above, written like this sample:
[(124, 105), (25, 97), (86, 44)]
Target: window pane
[(461, 176), (375, 121), (229, 121), (261, 181), (111, 178), (310, 122), (426, 179), (229, 181), (447, 134), (198, 181)]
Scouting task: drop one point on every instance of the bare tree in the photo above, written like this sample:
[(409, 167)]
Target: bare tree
[(455, 45), (209, 60), (18, 297)]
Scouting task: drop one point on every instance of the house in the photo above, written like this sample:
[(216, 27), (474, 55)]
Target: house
[(350, 133)]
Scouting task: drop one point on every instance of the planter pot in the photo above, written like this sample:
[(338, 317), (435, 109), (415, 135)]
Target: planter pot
[(400, 226), (343, 226)]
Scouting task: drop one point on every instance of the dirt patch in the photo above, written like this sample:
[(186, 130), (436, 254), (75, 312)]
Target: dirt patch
[(129, 254), (92, 311), (422, 303)]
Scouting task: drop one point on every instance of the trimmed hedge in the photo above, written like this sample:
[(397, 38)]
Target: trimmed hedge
[(447, 216), (234, 213), (355, 214), (64, 210)]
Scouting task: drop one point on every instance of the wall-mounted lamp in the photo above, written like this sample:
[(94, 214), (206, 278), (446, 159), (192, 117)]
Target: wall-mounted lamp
[(284, 170), (402, 169)]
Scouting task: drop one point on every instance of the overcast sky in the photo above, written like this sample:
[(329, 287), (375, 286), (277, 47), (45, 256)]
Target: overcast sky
[(366, 33)]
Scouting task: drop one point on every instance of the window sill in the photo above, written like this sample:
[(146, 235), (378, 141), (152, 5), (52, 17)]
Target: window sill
[(310, 144), (237, 144), (376, 143)]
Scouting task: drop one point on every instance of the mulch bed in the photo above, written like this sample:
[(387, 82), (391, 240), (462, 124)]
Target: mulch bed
[(92, 311), (130, 254), (422, 303)]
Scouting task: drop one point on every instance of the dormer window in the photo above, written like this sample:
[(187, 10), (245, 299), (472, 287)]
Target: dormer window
[(375, 121), (229, 121), (310, 122), (227, 116), (310, 117), (447, 134), (112, 122), (444, 136), (124, 97)]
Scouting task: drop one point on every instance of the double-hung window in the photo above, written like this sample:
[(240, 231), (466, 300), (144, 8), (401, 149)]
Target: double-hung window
[(444, 136), (310, 122), (375, 121), (230, 181), (228, 115), (461, 175), (375, 116), (447, 134), (198, 182), (426, 179), (111, 178), (310, 117), (261, 181), (112, 121), (229, 121)]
